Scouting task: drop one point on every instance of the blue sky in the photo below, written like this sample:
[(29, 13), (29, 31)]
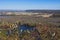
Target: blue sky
[(29, 4)]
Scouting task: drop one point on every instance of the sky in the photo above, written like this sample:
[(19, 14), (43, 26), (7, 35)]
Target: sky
[(29, 4)]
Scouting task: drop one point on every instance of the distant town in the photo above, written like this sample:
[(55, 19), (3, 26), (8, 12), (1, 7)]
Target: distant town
[(42, 13)]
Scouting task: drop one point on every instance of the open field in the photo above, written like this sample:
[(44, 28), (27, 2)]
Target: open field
[(47, 28), (30, 19)]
